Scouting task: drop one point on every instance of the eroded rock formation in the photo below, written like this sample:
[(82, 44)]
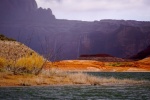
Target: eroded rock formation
[(68, 39)]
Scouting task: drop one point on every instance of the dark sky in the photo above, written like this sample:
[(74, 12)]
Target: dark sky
[(90, 10)]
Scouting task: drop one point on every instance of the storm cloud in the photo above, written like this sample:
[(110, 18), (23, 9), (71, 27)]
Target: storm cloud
[(98, 9)]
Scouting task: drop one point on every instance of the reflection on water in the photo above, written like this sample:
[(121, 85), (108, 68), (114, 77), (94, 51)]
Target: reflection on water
[(82, 92)]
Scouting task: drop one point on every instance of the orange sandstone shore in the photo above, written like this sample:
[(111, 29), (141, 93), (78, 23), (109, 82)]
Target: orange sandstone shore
[(96, 66), (57, 73)]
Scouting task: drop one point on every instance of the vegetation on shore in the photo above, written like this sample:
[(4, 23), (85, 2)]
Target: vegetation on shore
[(56, 77), (21, 66), (25, 75), (18, 58), (27, 64)]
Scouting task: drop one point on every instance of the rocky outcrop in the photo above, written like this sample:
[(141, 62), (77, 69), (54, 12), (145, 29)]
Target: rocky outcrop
[(45, 15), (13, 50), (143, 54), (24, 11), (68, 39), (17, 6)]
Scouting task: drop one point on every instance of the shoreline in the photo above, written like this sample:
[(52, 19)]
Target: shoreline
[(62, 85), (84, 71), (65, 79), (96, 66)]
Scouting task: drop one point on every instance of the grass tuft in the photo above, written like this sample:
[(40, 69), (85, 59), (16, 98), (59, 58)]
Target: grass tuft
[(30, 64)]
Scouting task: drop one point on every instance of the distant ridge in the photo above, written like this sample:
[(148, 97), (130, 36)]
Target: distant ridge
[(97, 55), (101, 57)]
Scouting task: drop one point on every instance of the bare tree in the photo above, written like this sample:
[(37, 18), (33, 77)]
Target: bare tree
[(51, 54)]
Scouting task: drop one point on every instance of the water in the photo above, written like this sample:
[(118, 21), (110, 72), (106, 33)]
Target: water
[(82, 92), (124, 75)]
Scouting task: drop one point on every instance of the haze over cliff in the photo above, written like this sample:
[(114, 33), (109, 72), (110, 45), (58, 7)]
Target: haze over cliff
[(68, 39)]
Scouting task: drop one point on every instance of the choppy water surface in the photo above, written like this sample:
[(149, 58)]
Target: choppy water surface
[(126, 92), (123, 75)]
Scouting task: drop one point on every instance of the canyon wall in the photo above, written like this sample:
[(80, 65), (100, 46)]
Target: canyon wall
[(68, 39)]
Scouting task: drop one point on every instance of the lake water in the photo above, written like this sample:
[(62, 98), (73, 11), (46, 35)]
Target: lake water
[(82, 92)]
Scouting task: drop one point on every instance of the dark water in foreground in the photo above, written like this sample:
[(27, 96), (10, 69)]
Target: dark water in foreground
[(127, 92), (123, 75)]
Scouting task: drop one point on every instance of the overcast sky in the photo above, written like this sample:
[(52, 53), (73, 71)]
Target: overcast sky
[(90, 10)]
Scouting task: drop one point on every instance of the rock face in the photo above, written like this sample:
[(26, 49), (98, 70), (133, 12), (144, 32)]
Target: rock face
[(23, 10), (18, 5), (143, 54), (68, 39)]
